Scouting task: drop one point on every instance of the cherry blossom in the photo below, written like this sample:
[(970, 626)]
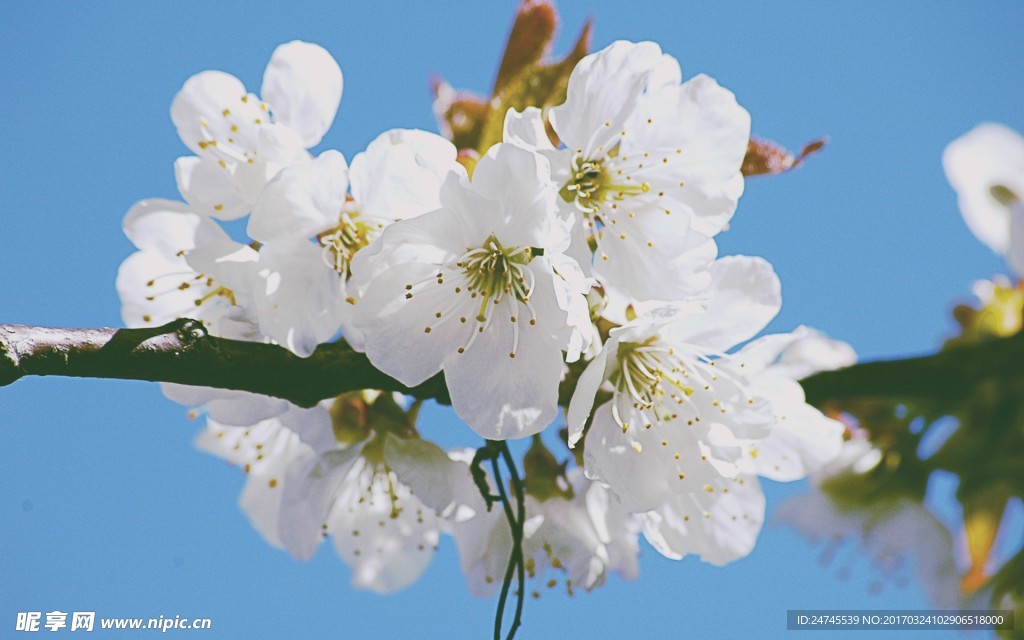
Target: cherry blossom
[(481, 289), (651, 162), (986, 168), (241, 141)]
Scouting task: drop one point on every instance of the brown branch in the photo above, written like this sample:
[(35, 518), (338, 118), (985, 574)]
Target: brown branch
[(183, 352)]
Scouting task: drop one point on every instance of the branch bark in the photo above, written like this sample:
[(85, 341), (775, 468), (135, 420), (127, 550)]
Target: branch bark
[(183, 352)]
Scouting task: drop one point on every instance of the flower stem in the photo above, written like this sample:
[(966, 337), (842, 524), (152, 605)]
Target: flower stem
[(492, 451)]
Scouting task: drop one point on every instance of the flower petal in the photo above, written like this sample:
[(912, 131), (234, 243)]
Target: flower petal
[(214, 107), (209, 188), (719, 532), (302, 201), (701, 134), (987, 156), (400, 174), (303, 85), (604, 88), (503, 396), (745, 296), (296, 296)]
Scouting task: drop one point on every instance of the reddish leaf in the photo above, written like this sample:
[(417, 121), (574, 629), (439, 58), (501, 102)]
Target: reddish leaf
[(539, 85), (764, 157), (529, 41)]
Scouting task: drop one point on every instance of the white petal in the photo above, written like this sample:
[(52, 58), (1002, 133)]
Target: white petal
[(226, 406), (812, 352), (395, 324), (436, 238), (400, 174), (214, 106), (586, 391), (297, 297), (302, 201), (701, 134), (526, 129), (719, 532), (277, 147), (208, 187), (519, 181), (500, 396), (313, 425), (635, 477), (169, 227), (654, 256), (303, 85), (311, 490), (397, 535), (745, 296), (148, 286), (803, 439), (616, 528), (438, 481), (988, 155), (604, 87)]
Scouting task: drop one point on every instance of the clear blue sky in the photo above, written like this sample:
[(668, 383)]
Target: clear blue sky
[(106, 506)]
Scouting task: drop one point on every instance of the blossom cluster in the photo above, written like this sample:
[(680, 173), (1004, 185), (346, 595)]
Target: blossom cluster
[(573, 264)]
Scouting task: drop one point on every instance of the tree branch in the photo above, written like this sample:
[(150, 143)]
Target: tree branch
[(182, 352), (949, 376)]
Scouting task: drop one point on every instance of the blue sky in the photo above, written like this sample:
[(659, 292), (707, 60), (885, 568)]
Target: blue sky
[(107, 507)]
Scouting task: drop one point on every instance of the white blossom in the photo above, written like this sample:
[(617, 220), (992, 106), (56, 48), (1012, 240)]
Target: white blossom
[(901, 538), (651, 162), (571, 540), (986, 168), (802, 439), (241, 142), (264, 451), (171, 275), (379, 525), (311, 230), (481, 289)]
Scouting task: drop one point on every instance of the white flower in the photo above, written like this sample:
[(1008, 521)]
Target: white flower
[(719, 523), (574, 540), (367, 498), (163, 281), (664, 359), (723, 525), (265, 451), (671, 439), (302, 295), (651, 162), (304, 486), (578, 540), (480, 289), (242, 141), (898, 535), (802, 439), (986, 167)]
